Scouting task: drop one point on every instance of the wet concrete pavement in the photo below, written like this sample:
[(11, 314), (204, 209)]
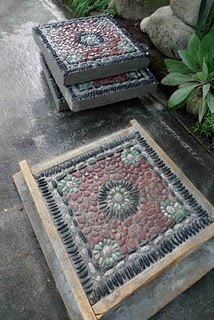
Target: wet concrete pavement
[(31, 129)]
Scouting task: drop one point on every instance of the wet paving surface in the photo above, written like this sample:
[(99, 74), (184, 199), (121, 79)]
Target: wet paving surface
[(31, 129)]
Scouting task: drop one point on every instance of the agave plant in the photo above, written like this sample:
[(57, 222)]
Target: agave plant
[(194, 75)]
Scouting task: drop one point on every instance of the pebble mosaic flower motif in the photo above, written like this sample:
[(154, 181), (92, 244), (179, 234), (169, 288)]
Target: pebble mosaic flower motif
[(107, 253), (89, 39), (84, 86), (69, 184), (131, 156), (119, 199), (173, 210), (74, 58), (126, 47)]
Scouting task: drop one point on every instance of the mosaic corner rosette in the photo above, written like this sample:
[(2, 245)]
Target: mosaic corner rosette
[(88, 43), (119, 209)]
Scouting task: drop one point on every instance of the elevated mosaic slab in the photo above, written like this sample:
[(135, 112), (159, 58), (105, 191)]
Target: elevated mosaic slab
[(123, 211), (58, 98), (100, 92), (89, 48)]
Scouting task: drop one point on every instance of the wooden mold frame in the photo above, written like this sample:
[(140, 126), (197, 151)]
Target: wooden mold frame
[(52, 244)]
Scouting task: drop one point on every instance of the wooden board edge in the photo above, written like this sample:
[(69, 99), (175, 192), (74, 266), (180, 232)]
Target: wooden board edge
[(77, 151), (111, 301), (66, 267)]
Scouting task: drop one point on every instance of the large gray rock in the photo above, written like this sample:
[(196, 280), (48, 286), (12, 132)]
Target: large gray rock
[(168, 33), (129, 9), (136, 9), (186, 10)]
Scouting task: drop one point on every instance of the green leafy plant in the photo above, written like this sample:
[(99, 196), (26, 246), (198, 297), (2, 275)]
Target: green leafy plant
[(83, 7), (206, 127), (194, 75), (205, 18)]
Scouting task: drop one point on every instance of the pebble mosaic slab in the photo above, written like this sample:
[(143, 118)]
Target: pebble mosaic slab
[(119, 209), (100, 92), (58, 98), (88, 48)]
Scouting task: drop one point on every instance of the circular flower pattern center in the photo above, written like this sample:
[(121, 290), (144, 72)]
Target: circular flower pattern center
[(119, 199), (74, 58), (107, 253), (131, 156), (69, 184), (90, 39), (173, 210)]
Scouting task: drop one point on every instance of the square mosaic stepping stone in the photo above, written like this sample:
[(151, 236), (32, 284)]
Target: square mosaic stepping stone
[(123, 213), (58, 98), (89, 48), (100, 92)]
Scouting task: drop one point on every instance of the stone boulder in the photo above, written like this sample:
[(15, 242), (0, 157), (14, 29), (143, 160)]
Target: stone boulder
[(136, 9), (186, 10), (168, 33)]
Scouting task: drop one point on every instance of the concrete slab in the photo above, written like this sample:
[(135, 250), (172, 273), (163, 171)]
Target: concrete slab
[(89, 48), (100, 92)]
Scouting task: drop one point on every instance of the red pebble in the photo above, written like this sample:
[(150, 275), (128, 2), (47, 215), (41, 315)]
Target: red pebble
[(118, 236), (125, 231), (142, 235), (137, 219), (132, 243), (81, 220), (128, 222), (91, 243), (105, 234), (124, 249), (121, 242), (78, 174)]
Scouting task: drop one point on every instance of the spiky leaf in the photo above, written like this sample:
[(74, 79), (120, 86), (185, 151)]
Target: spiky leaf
[(206, 89), (202, 110), (193, 47), (207, 47), (176, 66), (180, 95), (175, 78), (188, 60), (210, 102), (205, 18)]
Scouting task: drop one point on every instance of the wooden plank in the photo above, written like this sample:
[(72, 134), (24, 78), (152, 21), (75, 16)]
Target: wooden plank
[(112, 300), (66, 267)]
